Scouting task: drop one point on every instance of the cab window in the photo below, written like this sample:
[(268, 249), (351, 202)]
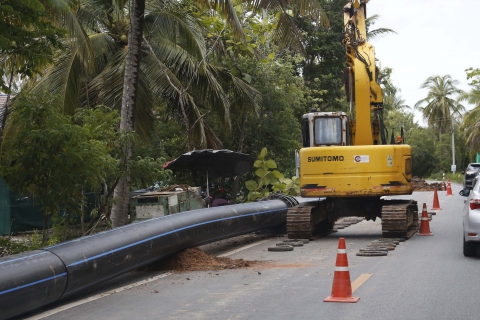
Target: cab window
[(328, 131)]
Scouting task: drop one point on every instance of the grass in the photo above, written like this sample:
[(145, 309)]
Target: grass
[(9, 247), (457, 177)]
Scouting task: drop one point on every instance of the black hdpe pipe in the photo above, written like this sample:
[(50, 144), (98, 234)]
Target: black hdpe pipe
[(35, 279)]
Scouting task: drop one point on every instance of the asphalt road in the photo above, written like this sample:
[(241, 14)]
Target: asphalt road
[(423, 278)]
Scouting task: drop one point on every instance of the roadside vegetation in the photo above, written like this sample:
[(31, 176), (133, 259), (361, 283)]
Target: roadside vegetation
[(94, 107)]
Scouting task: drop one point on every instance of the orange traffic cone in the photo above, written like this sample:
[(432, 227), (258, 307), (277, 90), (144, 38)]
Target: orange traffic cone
[(436, 205), (449, 188), (342, 288), (425, 225), (443, 185)]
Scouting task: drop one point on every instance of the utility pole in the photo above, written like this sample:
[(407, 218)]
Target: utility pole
[(454, 167)]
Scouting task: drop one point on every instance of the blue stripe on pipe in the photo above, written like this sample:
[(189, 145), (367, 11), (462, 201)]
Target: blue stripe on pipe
[(118, 228), (26, 257), (166, 233), (34, 283), (118, 249)]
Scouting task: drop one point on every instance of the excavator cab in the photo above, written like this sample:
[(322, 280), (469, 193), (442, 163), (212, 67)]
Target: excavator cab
[(325, 129)]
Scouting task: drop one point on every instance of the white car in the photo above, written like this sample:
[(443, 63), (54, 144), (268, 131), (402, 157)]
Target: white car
[(471, 219), (470, 174)]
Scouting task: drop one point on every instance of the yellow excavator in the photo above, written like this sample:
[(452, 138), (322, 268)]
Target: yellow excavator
[(346, 160)]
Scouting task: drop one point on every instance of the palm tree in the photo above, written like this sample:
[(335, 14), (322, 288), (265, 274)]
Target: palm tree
[(175, 70), (33, 33), (376, 33), (394, 101), (471, 121), (172, 68), (286, 26), (471, 127), (439, 108)]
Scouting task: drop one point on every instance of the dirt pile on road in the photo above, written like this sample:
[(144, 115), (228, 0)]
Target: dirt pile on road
[(421, 185), (194, 259)]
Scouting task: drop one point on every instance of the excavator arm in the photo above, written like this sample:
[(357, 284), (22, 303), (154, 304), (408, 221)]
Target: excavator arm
[(364, 93)]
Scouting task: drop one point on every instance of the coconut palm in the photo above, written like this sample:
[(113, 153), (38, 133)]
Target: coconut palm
[(173, 70), (376, 33), (33, 31), (471, 127), (394, 102), (471, 122), (439, 108), (285, 28)]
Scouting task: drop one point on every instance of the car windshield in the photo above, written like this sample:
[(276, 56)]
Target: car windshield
[(473, 168)]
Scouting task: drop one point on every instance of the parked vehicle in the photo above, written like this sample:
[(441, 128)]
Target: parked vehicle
[(470, 173), (471, 219)]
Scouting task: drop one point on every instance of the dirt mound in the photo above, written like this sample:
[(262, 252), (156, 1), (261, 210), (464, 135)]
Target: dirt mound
[(194, 259), (422, 185)]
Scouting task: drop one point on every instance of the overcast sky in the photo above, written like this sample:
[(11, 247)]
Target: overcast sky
[(434, 37)]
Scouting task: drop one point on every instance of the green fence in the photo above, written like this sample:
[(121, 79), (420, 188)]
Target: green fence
[(17, 213), (20, 214)]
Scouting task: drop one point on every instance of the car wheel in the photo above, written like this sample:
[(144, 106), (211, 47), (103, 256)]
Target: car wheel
[(469, 248)]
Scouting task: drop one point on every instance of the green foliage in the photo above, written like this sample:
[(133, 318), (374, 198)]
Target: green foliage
[(324, 61), (28, 39), (391, 95), (433, 156), (275, 124), (145, 171), (473, 74), (48, 156), (396, 119), (422, 142), (471, 123), (33, 241), (268, 179), (439, 108), (8, 247)]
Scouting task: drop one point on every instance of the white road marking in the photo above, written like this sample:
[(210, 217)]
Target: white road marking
[(243, 248), (130, 286), (96, 297)]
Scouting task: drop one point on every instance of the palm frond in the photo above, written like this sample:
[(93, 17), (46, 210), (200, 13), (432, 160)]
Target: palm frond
[(227, 9), (107, 89), (64, 79), (288, 34), (168, 32), (379, 33), (104, 49), (62, 12)]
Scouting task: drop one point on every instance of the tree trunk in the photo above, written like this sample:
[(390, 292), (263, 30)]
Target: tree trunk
[(82, 216), (44, 231), (240, 149), (5, 108), (132, 68)]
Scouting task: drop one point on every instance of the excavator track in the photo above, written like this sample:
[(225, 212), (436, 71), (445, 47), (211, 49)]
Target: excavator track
[(304, 221), (399, 218), (299, 225)]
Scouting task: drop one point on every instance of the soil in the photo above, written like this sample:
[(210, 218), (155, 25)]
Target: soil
[(194, 259), (421, 185)]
